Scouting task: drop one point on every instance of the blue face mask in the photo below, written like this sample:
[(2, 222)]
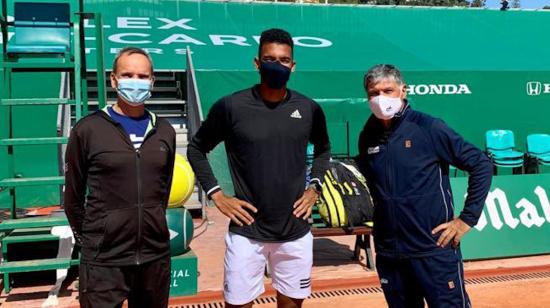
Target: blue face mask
[(134, 91), (274, 74)]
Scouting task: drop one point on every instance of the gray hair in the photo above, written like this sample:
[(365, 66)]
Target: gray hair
[(381, 72), (130, 50)]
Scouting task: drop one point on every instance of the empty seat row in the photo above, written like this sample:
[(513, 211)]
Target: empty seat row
[(501, 148)]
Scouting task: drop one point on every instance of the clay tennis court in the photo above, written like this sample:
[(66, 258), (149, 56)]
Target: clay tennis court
[(338, 281), (494, 288)]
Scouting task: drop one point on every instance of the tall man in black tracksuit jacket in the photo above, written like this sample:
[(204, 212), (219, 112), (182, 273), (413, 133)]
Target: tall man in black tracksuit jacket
[(405, 156), (119, 164), (266, 129)]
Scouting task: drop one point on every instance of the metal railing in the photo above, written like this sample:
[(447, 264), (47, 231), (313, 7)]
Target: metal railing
[(194, 115)]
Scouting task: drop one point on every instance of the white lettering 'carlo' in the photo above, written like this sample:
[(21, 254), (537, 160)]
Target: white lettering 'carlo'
[(129, 25), (161, 23)]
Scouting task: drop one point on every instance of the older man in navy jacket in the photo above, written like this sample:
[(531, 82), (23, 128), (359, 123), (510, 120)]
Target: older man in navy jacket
[(405, 155)]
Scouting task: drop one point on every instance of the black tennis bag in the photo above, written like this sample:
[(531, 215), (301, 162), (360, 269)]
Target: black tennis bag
[(345, 200)]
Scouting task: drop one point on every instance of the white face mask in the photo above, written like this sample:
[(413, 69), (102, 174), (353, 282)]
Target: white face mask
[(384, 107)]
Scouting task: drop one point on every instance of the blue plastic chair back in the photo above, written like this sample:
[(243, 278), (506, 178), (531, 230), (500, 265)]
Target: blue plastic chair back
[(499, 140), (40, 28), (538, 144)]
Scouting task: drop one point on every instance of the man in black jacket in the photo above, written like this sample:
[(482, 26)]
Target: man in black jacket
[(405, 156), (118, 174), (266, 129)]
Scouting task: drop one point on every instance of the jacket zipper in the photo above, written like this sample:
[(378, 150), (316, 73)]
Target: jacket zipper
[(140, 197), (389, 190), (388, 170), (125, 137), (138, 176), (140, 206)]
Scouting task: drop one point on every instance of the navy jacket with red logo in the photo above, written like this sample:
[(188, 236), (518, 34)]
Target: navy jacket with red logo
[(407, 168)]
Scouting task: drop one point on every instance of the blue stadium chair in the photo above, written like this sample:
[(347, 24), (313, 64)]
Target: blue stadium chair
[(40, 28), (500, 148), (538, 147)]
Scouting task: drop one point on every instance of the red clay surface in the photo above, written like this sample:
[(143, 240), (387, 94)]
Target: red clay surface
[(333, 270), (533, 294)]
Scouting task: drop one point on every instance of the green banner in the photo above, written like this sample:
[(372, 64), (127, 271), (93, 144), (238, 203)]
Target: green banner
[(515, 220), (223, 36)]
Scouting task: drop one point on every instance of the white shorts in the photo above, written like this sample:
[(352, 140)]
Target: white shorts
[(245, 260)]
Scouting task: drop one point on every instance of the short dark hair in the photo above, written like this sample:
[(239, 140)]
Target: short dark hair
[(275, 35), (130, 50)]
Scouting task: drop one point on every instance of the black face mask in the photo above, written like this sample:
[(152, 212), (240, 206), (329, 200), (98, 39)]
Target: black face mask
[(274, 74)]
